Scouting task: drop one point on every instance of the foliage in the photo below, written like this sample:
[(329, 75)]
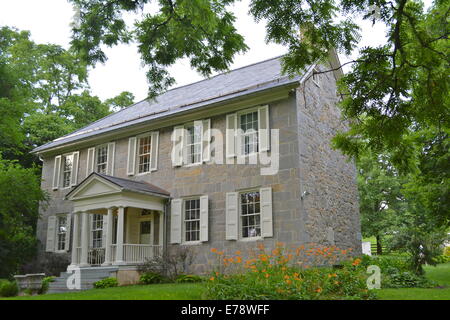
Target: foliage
[(123, 100), (380, 196), (406, 280), (283, 274), (50, 263), (18, 215), (190, 278), (199, 30), (45, 284), (421, 237), (152, 277), (174, 262), (8, 288), (106, 283)]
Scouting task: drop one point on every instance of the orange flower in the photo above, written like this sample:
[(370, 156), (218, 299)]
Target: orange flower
[(211, 279), (286, 277), (356, 262), (288, 281), (238, 259), (319, 290), (217, 273), (214, 250), (266, 275), (220, 253)]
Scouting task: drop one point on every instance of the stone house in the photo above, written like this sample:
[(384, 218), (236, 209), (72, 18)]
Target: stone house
[(228, 162)]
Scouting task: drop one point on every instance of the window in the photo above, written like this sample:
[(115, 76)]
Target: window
[(248, 123), (144, 149), (102, 159), (250, 214), (61, 233), (315, 77), (97, 230), (192, 220), (193, 144), (67, 170)]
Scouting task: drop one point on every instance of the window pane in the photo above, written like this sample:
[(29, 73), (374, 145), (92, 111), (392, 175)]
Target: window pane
[(192, 220), (144, 154), (250, 214)]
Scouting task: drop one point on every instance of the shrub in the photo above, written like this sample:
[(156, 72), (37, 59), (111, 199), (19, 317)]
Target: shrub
[(8, 288), (49, 263), (106, 283), (277, 275), (447, 251), (188, 278), (45, 284), (173, 263), (152, 277), (406, 280)]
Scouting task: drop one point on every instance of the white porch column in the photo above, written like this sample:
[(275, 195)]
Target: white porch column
[(75, 240), (161, 232), (120, 229), (84, 239), (109, 231)]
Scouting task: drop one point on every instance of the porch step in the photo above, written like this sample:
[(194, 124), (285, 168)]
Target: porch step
[(87, 278)]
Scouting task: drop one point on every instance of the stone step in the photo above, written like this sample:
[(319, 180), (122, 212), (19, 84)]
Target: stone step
[(88, 276)]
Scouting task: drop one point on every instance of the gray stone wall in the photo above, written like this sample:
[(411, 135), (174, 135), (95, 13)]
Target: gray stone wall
[(306, 163), (328, 179)]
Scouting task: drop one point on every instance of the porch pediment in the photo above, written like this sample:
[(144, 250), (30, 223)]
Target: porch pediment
[(93, 186), (99, 191)]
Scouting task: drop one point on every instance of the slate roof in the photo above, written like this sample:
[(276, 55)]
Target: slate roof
[(128, 185), (239, 82)]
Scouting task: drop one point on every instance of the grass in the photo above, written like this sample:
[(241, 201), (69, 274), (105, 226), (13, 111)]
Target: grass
[(171, 291), (193, 291), (439, 274)]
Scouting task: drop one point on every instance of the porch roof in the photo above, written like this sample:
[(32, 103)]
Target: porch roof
[(102, 191)]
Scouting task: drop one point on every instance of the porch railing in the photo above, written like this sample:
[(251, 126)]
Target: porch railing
[(132, 253), (137, 253), (96, 256)]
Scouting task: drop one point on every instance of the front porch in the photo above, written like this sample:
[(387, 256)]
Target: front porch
[(127, 232)]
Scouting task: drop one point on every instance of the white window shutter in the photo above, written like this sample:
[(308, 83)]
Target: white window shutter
[(68, 237), (56, 172), (231, 127), (110, 158), (131, 162), (90, 161), (51, 233), (204, 208), (154, 151), (175, 220), (74, 174), (263, 128), (231, 216), (206, 142), (266, 212), (177, 147)]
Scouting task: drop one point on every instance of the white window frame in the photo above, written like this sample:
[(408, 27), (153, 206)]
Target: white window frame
[(137, 155), (185, 152), (63, 171), (315, 77), (96, 164), (239, 114), (96, 229), (241, 216), (58, 233), (184, 229)]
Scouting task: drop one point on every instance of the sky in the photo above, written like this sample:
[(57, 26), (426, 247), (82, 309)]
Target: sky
[(49, 22)]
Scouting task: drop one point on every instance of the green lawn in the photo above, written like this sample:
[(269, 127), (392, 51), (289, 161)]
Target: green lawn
[(440, 274), (172, 291), (193, 291)]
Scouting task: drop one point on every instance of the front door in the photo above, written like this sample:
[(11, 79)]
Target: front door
[(145, 234)]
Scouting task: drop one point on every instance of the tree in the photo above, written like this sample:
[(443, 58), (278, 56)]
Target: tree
[(380, 196), (390, 88), (123, 100), (18, 215)]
